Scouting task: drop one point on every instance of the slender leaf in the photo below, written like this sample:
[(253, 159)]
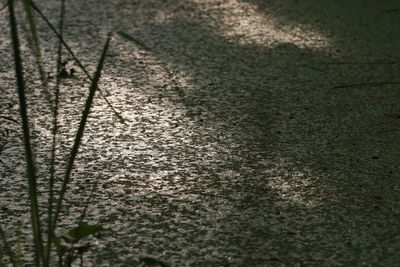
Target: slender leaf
[(85, 230), (117, 114), (4, 7), (10, 119), (79, 134), (83, 214), (18, 250), (50, 232), (132, 39), (35, 40), (27, 144), (56, 240)]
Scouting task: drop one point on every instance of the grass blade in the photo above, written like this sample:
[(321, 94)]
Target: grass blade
[(134, 40), (27, 144), (117, 114), (10, 119), (79, 134), (3, 7), (88, 201), (35, 40), (54, 138), (18, 250)]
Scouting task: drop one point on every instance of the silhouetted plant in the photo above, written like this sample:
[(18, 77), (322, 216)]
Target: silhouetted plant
[(69, 247)]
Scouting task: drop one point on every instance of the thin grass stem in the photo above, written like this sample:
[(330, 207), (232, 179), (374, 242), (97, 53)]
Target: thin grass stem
[(3, 7), (371, 84), (83, 215), (32, 188), (34, 45), (18, 250), (35, 40), (79, 134), (132, 39), (54, 137), (80, 65)]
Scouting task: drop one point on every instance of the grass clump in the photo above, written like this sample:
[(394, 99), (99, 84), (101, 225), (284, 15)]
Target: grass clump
[(70, 247)]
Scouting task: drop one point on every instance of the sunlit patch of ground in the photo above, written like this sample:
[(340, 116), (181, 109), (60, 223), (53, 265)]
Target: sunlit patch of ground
[(242, 22), (242, 146)]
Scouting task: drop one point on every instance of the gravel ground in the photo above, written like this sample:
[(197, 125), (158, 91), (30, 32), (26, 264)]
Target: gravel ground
[(258, 133)]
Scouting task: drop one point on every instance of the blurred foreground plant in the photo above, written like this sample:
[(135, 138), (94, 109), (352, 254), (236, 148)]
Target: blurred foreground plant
[(68, 247)]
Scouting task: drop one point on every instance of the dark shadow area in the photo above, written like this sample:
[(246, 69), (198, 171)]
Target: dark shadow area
[(357, 28)]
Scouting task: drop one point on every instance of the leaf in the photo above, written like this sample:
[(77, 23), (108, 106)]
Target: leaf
[(84, 230), (79, 134), (32, 188), (18, 251), (56, 241), (35, 39), (10, 119), (134, 40), (3, 7), (60, 37)]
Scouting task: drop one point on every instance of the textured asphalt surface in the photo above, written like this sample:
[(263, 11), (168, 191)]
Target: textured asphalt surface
[(258, 133)]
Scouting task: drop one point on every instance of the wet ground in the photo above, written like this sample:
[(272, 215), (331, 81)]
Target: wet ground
[(258, 133)]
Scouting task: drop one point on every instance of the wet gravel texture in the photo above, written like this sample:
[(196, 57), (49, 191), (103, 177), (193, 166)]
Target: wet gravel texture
[(259, 133)]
